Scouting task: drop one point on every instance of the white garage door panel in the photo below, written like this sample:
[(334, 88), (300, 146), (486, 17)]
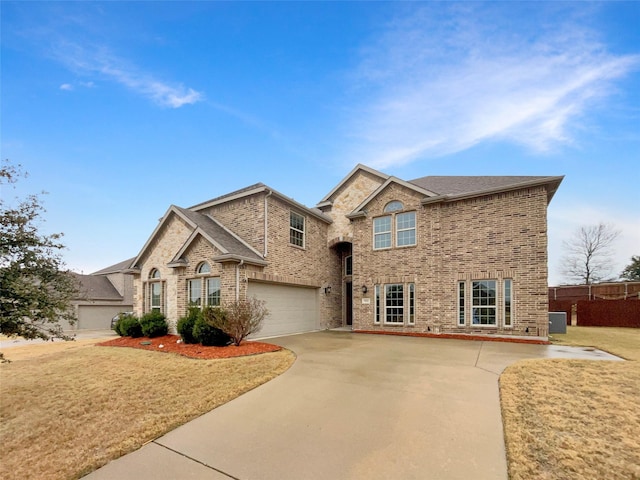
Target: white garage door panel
[(98, 317), (291, 309)]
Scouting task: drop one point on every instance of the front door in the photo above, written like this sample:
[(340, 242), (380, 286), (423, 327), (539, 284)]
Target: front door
[(348, 302)]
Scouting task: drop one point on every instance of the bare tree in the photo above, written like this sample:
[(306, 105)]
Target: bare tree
[(240, 318), (588, 255)]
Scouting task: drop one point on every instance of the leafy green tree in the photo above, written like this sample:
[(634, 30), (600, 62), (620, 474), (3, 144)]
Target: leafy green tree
[(35, 290), (632, 271)]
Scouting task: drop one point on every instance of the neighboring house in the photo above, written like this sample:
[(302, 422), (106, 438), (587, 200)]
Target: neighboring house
[(102, 295), (436, 255)]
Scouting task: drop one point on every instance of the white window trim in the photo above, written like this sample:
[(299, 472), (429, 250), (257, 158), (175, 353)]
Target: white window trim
[(411, 304), (462, 284), (494, 307), (206, 291), (504, 303), (376, 306), (384, 319), (304, 227), (390, 232), (398, 230), (160, 306), (346, 260), (189, 283)]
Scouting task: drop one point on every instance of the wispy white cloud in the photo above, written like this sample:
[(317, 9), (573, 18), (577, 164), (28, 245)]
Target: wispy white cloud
[(447, 77), (101, 62), (66, 86)]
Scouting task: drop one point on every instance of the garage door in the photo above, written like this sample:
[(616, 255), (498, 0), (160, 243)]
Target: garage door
[(291, 309), (98, 317)]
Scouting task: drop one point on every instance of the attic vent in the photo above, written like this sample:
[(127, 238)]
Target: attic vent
[(393, 206)]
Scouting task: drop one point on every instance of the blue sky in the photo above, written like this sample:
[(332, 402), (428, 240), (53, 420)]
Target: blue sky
[(121, 109)]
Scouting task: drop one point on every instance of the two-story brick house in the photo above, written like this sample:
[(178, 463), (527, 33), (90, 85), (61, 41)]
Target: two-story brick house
[(432, 255)]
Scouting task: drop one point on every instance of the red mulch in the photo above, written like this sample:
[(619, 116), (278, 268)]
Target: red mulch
[(170, 345)]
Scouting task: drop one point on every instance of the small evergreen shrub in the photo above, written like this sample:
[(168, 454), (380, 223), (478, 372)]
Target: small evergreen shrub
[(186, 324), (129, 326), (154, 324), (206, 333)]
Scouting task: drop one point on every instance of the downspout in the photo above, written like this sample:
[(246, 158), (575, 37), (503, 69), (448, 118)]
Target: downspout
[(266, 221), (238, 279)]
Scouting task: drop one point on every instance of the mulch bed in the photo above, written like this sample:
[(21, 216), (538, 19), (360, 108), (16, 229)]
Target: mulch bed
[(170, 344)]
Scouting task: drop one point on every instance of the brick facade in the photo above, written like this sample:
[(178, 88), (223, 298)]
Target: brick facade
[(493, 237), (498, 235)]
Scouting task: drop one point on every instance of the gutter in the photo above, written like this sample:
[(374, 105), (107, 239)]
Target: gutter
[(238, 279), (266, 221)]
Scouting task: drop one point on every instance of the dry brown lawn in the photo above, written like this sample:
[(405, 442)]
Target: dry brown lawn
[(575, 419), (67, 411)]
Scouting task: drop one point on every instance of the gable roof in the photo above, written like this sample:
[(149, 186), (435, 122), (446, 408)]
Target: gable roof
[(119, 267), (359, 210), (458, 187), (359, 167), (260, 188), (230, 245), (96, 287)]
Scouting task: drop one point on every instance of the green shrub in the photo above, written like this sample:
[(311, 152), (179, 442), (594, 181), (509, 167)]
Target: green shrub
[(206, 333), (154, 324), (129, 326), (186, 324), (117, 327)]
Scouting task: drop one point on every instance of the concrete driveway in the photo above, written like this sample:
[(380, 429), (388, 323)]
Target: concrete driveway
[(352, 406)]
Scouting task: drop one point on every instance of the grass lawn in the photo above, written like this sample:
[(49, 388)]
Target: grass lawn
[(66, 411), (575, 419)]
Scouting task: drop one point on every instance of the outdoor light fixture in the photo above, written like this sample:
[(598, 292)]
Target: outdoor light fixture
[(364, 289), (327, 290)]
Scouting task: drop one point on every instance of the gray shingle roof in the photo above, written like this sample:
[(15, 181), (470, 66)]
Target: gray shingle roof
[(96, 287), (117, 268), (221, 234), (459, 185), (231, 194)]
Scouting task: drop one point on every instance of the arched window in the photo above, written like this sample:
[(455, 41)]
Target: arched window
[(154, 294), (203, 268), (393, 206)]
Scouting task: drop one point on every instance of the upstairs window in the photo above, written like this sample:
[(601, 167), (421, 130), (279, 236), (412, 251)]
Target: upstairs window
[(394, 206), (405, 229), (398, 225), (203, 268), (296, 230), (382, 232)]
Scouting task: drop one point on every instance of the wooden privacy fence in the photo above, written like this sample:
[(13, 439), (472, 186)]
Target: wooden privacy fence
[(602, 305)]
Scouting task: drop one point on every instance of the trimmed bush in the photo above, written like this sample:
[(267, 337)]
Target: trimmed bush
[(129, 326), (154, 324), (207, 334), (186, 324)]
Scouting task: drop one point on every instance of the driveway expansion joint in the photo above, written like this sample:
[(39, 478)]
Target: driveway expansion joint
[(196, 460)]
